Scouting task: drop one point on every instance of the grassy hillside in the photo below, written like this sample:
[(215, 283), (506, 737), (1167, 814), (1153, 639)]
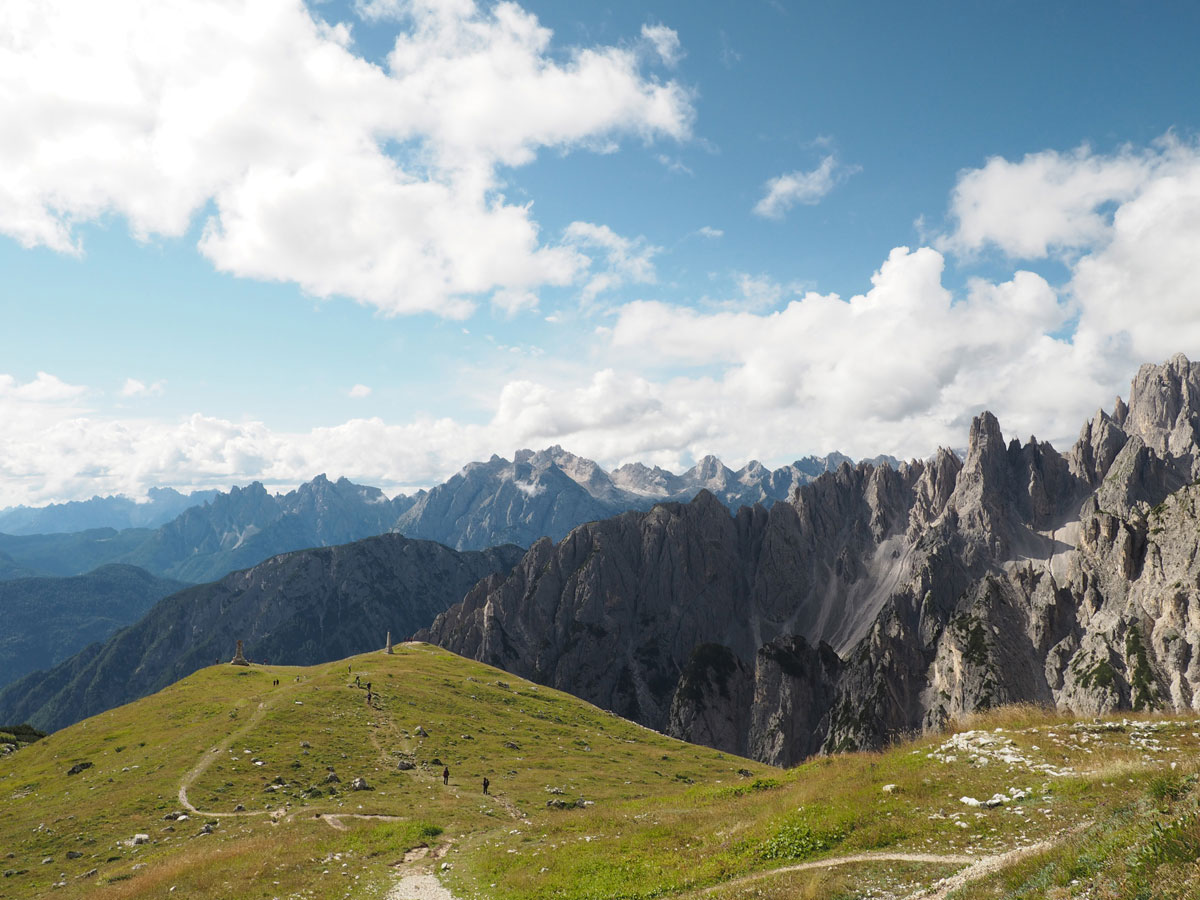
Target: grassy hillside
[(582, 804)]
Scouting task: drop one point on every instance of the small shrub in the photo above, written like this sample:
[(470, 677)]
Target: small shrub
[(799, 841)]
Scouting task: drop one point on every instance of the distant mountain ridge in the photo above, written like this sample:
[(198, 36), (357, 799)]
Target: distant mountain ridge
[(119, 512), (537, 494), (233, 530), (298, 608), (549, 492), (47, 620)]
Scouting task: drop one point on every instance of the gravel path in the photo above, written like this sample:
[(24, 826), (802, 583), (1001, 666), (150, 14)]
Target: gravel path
[(944, 859), (419, 887)]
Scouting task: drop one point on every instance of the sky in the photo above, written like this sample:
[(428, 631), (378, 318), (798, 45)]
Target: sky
[(259, 240)]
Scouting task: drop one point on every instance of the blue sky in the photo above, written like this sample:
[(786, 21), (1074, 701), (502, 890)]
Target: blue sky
[(258, 242)]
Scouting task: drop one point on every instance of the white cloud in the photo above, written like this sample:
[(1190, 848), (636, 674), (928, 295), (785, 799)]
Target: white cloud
[(898, 369), (1127, 224), (358, 392), (626, 260), (665, 42), (1048, 200), (321, 169), (785, 191), (135, 388), (709, 232)]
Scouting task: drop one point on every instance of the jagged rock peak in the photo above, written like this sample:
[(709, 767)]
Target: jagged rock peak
[(1164, 406)]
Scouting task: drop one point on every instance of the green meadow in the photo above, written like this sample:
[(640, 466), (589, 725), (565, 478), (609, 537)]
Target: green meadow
[(582, 804)]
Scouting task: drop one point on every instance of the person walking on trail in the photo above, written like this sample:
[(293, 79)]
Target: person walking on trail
[(485, 784), (446, 775)]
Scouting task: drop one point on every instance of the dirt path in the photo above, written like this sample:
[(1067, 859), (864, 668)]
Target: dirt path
[(419, 887), (207, 760), (942, 859), (984, 866), (975, 867)]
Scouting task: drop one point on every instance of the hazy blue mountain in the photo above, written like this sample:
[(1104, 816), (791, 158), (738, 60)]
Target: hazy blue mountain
[(48, 619), (247, 525), (119, 512), (232, 530), (69, 554), (298, 608)]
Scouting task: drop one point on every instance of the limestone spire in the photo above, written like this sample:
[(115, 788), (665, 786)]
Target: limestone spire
[(388, 648)]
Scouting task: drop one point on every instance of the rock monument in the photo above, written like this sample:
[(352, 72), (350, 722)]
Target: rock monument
[(388, 648), (238, 658)]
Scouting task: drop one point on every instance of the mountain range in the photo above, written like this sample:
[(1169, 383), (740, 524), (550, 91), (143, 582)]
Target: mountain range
[(160, 506), (47, 620), (299, 608), (486, 504), (550, 492), (881, 600)]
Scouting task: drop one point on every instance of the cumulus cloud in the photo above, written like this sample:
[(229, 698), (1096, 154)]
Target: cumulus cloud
[(709, 232), (320, 168), (1045, 201), (785, 191), (358, 392), (899, 369)]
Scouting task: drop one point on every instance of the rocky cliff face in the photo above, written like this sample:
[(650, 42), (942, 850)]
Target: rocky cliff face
[(882, 600), (299, 608)]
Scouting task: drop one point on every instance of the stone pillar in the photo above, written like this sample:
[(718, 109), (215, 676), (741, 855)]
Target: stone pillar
[(388, 648), (238, 658)]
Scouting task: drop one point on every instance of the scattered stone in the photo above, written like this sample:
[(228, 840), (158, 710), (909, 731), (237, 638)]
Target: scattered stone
[(239, 808), (404, 765), (78, 767), (172, 816), (304, 745), (332, 778), (48, 859), (360, 784), (139, 839), (436, 762), (421, 732), (969, 801), (73, 854), (512, 745), (90, 873), (207, 829), (995, 800), (889, 788)]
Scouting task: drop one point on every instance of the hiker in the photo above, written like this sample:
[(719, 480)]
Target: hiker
[(485, 784), (356, 683), (446, 775), (368, 696)]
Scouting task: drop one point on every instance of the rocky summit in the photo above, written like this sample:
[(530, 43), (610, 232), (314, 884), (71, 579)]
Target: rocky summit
[(881, 600), (549, 492)]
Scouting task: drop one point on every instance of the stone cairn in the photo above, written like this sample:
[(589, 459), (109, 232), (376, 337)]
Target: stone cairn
[(238, 658), (388, 648)]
